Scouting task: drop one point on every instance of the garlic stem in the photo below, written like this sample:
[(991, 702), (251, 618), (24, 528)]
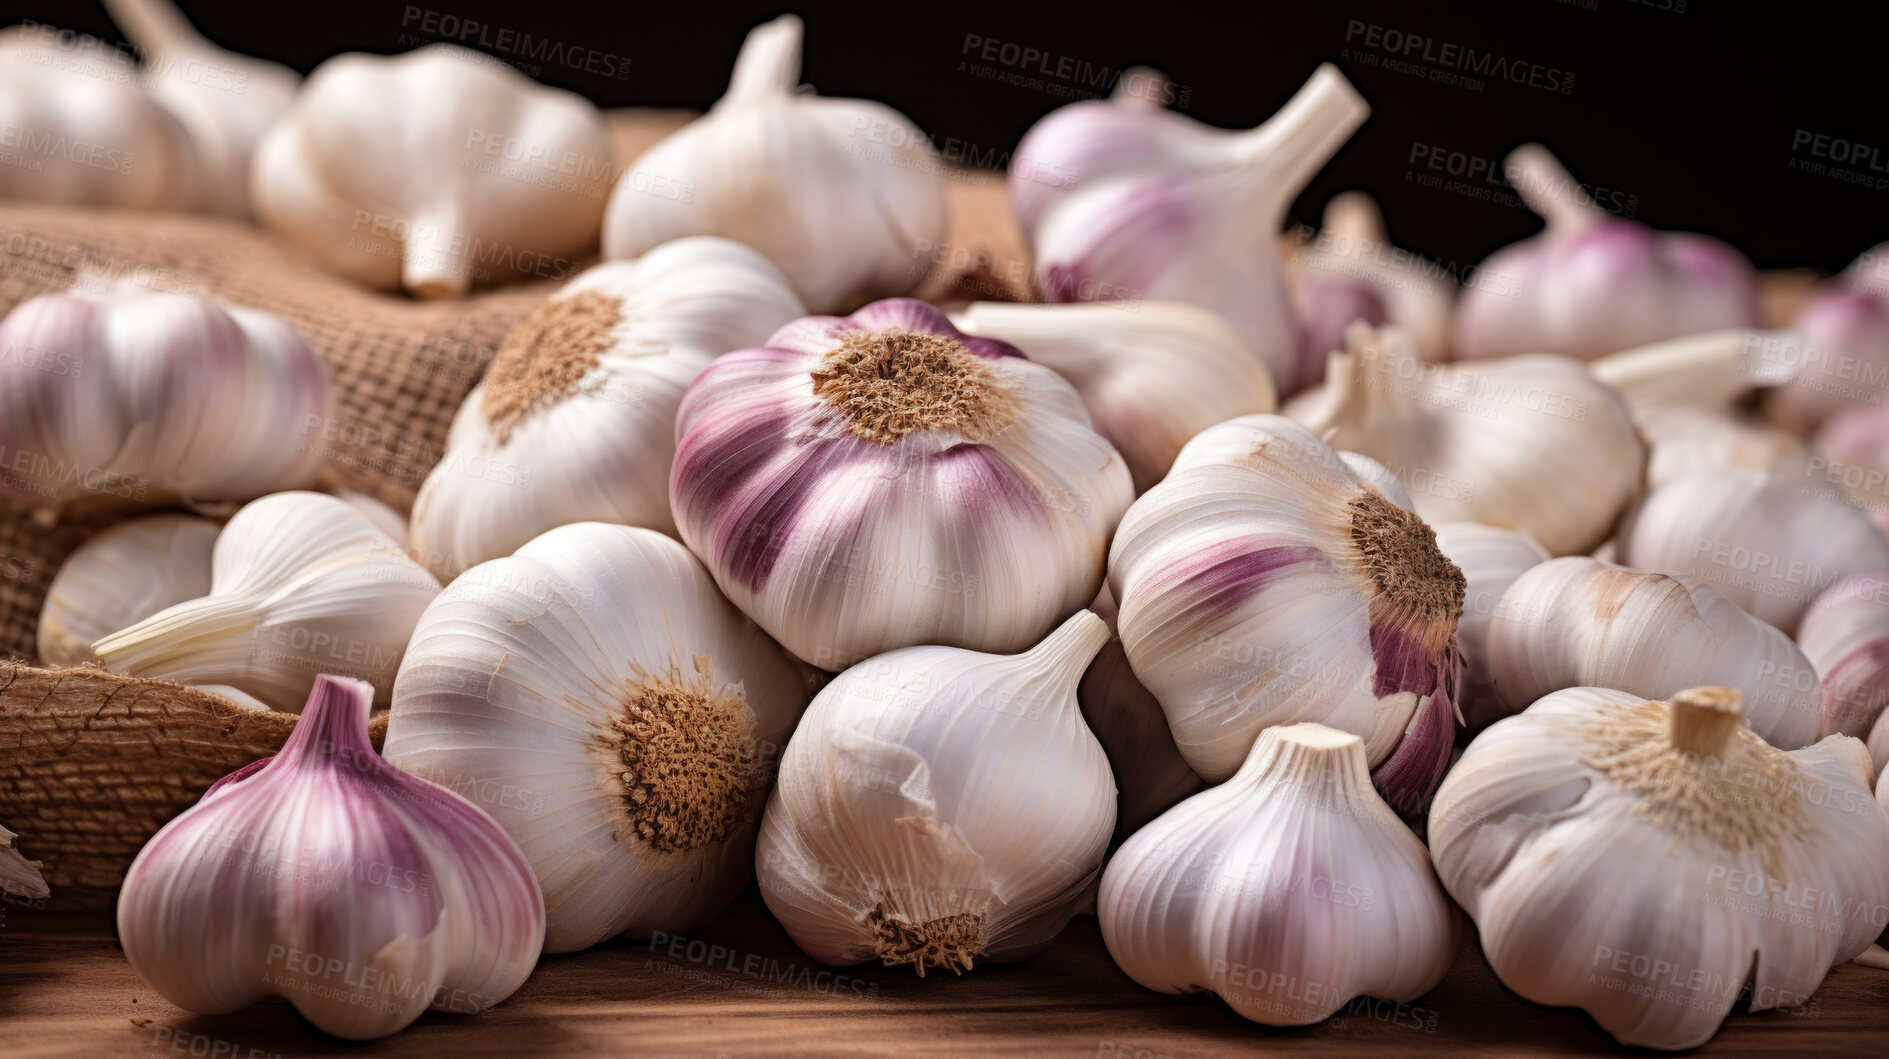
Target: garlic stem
[(208, 636), (156, 27), (1549, 189), (1353, 215), (1323, 762), (768, 64), (1703, 721), (333, 728), (1284, 153), (1141, 86), (1065, 653), (435, 265)]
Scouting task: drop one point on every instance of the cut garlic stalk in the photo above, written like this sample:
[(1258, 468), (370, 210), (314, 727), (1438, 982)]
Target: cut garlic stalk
[(121, 577), (1491, 559)]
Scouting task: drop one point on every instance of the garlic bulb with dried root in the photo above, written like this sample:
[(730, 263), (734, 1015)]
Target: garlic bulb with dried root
[(1263, 582), (883, 480), (1151, 776), (1287, 890), (941, 807), (120, 577), (1578, 622), (1845, 634), (1491, 560), (1528, 443), (1350, 271), (1152, 377), (613, 713), (1649, 861), (575, 421)]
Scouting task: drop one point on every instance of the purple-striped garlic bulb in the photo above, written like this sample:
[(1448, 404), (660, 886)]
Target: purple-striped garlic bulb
[(323, 875), (1350, 271), (1843, 362), (1265, 582), (883, 480), (1845, 635), (1592, 284)]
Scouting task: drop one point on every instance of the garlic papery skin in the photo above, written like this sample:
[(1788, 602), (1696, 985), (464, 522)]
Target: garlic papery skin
[(133, 398), (1287, 890), (1263, 582), (1206, 235), (1770, 545), (1526, 443), (1350, 268), (323, 875), (433, 170), (1592, 284), (1151, 379), (884, 480), (1646, 861), (1579, 622), (121, 577), (1151, 777), (845, 195), (575, 420), (1684, 439), (300, 584), (1845, 634), (1491, 560), (941, 807), (619, 719)]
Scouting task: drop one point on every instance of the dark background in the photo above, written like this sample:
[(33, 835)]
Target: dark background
[(1690, 109)]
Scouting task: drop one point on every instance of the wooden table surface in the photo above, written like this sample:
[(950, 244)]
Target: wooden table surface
[(66, 991)]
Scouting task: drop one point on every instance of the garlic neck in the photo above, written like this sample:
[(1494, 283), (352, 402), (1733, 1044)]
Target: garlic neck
[(1549, 189), (1066, 653), (1704, 721), (434, 263), (1352, 215), (332, 731), (768, 66), (1280, 157), (1367, 385), (1311, 760), (1141, 87), (209, 635), (157, 28), (888, 384)]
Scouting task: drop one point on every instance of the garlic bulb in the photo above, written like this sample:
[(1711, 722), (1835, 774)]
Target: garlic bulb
[(884, 480), (1578, 622), (1287, 890), (76, 127), (940, 807), (1151, 777), (300, 584), (1350, 270), (1845, 366), (1646, 861), (323, 875), (121, 577), (575, 420), (1205, 234), (1845, 634), (1151, 378), (845, 195), (1769, 545), (615, 715), (1263, 582), (1527, 443), (432, 170), (384, 518), (1491, 560), (1592, 284), (1684, 439), (137, 399), (224, 101)]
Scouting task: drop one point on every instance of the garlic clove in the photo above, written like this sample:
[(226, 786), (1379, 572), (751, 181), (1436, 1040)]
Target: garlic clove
[(895, 832), (121, 577), (327, 877), (1350, 271), (1491, 560), (1845, 635)]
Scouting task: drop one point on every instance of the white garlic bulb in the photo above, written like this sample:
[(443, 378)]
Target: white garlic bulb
[(1578, 622), (941, 807), (138, 399), (1769, 545), (575, 420), (301, 584), (845, 195), (433, 170), (1647, 861), (1287, 890), (1491, 559), (1350, 268), (1152, 377), (1684, 438), (885, 480), (1845, 634), (1529, 443), (1263, 582), (619, 719), (1151, 777), (325, 876), (120, 577)]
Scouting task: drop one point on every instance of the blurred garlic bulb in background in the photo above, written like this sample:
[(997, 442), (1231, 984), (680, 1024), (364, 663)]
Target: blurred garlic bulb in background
[(1150, 774), (1845, 634), (1684, 439), (1205, 233), (1490, 559), (1710, 371), (1646, 861), (1845, 364), (1592, 283), (1151, 378), (885, 480), (1527, 443), (300, 584), (575, 420), (433, 170), (1263, 583), (941, 807), (133, 399), (1287, 890), (1349, 270), (613, 713), (845, 195), (120, 577), (1578, 622), (1769, 545)]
